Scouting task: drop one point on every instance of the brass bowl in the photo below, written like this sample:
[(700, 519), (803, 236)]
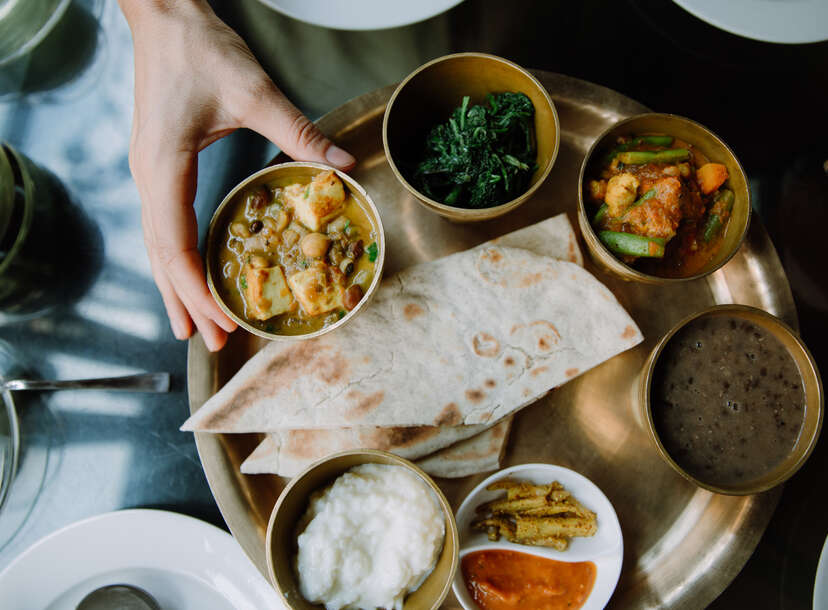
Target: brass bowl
[(281, 547), (711, 146), (811, 382), (427, 98), (284, 174)]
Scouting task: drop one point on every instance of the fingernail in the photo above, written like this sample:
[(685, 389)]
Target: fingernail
[(338, 157)]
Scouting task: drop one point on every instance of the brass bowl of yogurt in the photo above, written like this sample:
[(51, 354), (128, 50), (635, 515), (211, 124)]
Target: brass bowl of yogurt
[(278, 177), (283, 529), (809, 381)]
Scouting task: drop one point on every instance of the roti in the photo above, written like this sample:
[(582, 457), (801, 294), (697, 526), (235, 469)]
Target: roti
[(464, 340)]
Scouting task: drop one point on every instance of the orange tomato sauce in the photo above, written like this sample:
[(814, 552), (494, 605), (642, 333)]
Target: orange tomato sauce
[(505, 580)]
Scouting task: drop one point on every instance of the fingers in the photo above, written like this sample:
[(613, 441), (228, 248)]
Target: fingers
[(170, 231), (271, 114)]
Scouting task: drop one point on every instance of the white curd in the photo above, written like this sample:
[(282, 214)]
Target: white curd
[(372, 537)]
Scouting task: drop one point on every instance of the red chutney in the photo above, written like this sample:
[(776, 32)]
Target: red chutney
[(505, 580)]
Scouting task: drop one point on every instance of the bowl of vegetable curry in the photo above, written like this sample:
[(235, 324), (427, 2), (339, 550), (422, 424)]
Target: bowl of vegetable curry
[(471, 136), (294, 251), (662, 199)]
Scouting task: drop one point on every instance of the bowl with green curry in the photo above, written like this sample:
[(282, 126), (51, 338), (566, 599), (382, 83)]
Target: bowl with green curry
[(662, 199), (295, 251)]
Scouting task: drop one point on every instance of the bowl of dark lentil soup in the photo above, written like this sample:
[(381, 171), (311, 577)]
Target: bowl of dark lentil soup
[(732, 399)]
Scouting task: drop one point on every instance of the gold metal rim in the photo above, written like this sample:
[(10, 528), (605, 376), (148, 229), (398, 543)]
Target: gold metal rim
[(452, 211), (609, 259), (354, 186), (451, 535), (813, 372)]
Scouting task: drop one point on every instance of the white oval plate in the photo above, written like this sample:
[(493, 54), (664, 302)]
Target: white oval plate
[(605, 549), (360, 14), (784, 21), (182, 562), (821, 580)]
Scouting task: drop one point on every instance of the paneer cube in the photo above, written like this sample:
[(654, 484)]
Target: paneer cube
[(315, 204), (266, 292), (317, 289)]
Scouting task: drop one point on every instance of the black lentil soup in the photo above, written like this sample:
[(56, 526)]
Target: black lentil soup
[(727, 400), (295, 258)]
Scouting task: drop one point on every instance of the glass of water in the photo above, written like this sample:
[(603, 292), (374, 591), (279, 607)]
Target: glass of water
[(24, 23)]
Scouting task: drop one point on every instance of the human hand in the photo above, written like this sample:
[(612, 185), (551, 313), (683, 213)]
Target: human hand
[(196, 81)]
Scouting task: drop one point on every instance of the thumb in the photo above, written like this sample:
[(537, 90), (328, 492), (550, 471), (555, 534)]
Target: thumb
[(276, 118)]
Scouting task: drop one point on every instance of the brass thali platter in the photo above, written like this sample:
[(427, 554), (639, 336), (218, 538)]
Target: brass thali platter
[(682, 545)]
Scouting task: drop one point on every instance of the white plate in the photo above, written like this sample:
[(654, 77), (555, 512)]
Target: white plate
[(184, 563), (360, 14), (605, 549), (785, 21), (821, 581)]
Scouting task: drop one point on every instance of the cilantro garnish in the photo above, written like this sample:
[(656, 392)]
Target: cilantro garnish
[(372, 251), (243, 282)]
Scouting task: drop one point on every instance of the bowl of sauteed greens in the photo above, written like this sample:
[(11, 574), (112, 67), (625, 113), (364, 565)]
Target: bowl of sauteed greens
[(471, 136), (294, 251), (662, 199)]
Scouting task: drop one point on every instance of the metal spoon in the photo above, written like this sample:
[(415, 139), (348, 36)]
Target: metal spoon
[(122, 597), (143, 382)]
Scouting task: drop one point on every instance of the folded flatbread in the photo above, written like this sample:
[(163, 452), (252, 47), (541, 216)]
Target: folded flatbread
[(464, 340), (478, 453), (287, 452)]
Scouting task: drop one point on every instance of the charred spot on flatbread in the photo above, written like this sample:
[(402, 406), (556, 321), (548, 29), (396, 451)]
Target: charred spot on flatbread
[(485, 345), (571, 372), (388, 439), (363, 404), (629, 332), (449, 416), (305, 443), (475, 395), (490, 383), (548, 336), (305, 358), (412, 310), (531, 279), (509, 361), (538, 370)]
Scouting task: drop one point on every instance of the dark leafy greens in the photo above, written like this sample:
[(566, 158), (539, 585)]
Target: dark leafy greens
[(483, 156)]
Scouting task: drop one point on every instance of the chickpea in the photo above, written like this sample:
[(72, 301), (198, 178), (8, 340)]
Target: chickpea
[(270, 224), (346, 266), (315, 245), (236, 246), (256, 226), (239, 229), (290, 237), (337, 225), (352, 297), (283, 221)]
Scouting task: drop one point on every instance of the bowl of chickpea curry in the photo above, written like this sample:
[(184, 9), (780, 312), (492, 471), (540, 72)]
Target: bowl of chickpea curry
[(662, 199), (294, 251)]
